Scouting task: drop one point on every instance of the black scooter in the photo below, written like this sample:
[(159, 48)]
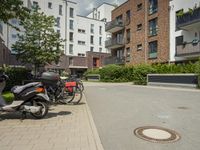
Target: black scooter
[(30, 98)]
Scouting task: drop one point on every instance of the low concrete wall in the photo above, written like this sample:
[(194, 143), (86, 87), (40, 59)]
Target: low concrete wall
[(93, 77), (177, 80)]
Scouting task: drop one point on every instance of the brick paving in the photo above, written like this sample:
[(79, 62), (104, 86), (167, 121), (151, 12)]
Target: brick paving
[(66, 127)]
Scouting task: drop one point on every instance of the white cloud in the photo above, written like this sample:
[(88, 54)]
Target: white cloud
[(90, 6), (85, 6)]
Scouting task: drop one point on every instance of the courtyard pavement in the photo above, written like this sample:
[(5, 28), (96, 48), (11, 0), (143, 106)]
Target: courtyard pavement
[(120, 108), (66, 127)]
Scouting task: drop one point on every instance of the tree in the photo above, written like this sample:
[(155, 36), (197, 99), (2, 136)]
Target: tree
[(39, 44), (10, 9)]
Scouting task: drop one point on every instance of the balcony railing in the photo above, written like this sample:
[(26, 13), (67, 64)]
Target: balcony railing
[(114, 60), (114, 26), (113, 43), (188, 18), (188, 50)]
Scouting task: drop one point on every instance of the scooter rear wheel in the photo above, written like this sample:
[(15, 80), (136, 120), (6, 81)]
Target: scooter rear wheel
[(43, 112)]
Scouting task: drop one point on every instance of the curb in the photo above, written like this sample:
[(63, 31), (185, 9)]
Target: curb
[(97, 139)]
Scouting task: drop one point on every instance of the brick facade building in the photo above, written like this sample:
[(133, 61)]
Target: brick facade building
[(140, 32)]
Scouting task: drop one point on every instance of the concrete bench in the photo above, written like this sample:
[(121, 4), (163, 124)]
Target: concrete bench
[(93, 77), (176, 80)]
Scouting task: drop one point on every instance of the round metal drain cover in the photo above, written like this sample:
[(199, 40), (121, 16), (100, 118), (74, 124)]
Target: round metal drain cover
[(157, 134)]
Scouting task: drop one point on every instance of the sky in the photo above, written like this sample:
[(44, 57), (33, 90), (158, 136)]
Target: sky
[(86, 6)]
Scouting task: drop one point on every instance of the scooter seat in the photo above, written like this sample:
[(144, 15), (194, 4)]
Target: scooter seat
[(18, 89)]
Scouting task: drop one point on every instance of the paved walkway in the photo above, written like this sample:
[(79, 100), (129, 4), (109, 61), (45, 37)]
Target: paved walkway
[(67, 127)]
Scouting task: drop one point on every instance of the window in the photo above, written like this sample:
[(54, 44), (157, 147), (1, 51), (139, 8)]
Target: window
[(99, 15), (100, 50), (139, 6), (70, 49), (71, 12), (91, 39), (91, 49), (71, 36), (153, 48), (70, 61), (153, 27), (119, 20), (58, 31), (128, 15), (81, 42), (153, 6), (80, 54), (179, 40), (35, 5), (139, 27), (128, 35), (128, 54), (92, 28), (100, 29), (14, 36), (58, 22), (50, 5), (60, 9), (139, 47), (1, 27), (71, 24), (81, 31), (100, 40)]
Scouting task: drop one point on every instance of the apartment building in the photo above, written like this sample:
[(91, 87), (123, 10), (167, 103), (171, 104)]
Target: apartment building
[(140, 32), (184, 30), (85, 35)]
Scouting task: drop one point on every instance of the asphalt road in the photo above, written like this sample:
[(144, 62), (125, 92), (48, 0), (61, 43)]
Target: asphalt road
[(118, 109)]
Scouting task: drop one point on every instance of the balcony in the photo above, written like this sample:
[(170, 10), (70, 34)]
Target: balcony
[(188, 50), (114, 60), (114, 43), (114, 26), (189, 20)]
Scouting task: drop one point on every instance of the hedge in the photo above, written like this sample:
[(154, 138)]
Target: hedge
[(16, 76), (138, 73)]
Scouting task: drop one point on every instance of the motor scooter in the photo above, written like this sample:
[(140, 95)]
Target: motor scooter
[(29, 98)]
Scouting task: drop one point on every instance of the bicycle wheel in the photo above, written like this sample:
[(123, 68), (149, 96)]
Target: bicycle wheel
[(77, 95), (67, 96), (80, 85)]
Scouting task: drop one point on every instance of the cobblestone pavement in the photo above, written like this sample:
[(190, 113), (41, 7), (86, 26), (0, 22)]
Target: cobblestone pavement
[(66, 127)]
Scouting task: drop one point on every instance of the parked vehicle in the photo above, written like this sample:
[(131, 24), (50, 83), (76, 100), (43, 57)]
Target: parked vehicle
[(73, 78), (59, 90), (30, 98)]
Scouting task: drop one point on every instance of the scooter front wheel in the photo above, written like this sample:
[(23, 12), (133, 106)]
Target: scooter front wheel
[(43, 111)]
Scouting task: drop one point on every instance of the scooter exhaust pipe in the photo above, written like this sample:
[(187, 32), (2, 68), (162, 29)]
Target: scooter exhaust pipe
[(32, 109)]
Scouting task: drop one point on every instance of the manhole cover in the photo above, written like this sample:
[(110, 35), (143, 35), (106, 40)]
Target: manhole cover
[(157, 134)]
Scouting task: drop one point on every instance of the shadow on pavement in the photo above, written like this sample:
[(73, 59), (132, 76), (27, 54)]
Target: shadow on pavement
[(17, 116), (74, 104)]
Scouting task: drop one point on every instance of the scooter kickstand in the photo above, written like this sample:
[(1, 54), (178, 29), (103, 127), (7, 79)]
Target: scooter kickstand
[(24, 116)]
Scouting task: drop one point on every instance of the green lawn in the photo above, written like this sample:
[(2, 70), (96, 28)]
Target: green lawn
[(8, 96)]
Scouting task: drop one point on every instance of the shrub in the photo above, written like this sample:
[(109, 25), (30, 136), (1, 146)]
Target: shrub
[(197, 71), (16, 76), (140, 74)]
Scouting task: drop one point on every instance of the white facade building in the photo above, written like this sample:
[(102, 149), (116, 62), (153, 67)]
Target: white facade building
[(4, 33), (102, 12), (90, 32), (72, 27), (182, 36)]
